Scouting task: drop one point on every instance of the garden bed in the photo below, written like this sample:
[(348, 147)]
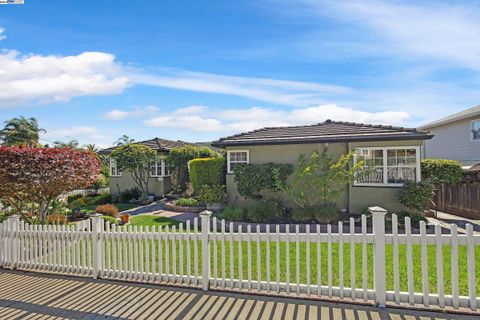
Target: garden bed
[(173, 207)]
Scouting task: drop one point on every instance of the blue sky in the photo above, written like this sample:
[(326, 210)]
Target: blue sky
[(199, 70)]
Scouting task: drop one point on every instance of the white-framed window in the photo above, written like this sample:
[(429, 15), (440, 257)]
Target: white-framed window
[(388, 166), (114, 170), (159, 168), (475, 129), (235, 157)]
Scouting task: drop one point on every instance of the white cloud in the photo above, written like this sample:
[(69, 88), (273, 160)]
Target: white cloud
[(137, 112), (228, 121), (433, 30), (2, 34), (58, 78), (285, 92)]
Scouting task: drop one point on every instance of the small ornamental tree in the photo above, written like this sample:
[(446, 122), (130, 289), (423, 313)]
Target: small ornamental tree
[(31, 178), (137, 159), (320, 179)]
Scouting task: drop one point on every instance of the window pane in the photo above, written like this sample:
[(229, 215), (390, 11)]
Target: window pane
[(401, 174), (476, 130), (373, 159)]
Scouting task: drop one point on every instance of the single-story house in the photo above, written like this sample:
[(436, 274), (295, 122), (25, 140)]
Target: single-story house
[(393, 153), (160, 183), (456, 137)]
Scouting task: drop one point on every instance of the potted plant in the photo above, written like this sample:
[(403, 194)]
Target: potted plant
[(213, 197), (125, 218)]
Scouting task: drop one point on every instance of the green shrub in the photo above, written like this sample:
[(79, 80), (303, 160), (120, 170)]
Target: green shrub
[(178, 158), (233, 213), (415, 218), (212, 194), (416, 195), (302, 215), (263, 211), (3, 217), (74, 197), (107, 210), (187, 202), (206, 171), (321, 214), (326, 214), (100, 199), (80, 202), (110, 219), (442, 171), (129, 194), (253, 180)]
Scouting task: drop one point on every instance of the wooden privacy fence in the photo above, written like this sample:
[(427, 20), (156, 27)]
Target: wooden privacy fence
[(461, 199), (395, 267)]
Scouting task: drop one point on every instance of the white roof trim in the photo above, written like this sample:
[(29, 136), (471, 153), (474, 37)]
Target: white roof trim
[(465, 114)]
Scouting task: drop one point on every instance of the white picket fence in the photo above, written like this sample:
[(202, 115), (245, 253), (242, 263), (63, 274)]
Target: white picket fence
[(85, 192), (311, 263)]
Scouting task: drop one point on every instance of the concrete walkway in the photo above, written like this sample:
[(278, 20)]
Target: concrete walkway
[(40, 296)]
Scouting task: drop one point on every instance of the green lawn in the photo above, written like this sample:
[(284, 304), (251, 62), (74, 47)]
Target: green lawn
[(151, 220), (432, 276)]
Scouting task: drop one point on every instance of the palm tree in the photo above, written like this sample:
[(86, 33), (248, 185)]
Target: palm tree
[(91, 147), (21, 132), (69, 144), (123, 140)]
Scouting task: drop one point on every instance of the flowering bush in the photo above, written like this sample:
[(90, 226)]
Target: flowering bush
[(34, 177), (107, 210)]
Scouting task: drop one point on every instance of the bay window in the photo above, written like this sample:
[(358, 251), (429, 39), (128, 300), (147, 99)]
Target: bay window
[(388, 166), (236, 157)]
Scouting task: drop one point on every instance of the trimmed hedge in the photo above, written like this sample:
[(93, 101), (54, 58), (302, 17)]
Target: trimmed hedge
[(442, 171), (254, 179), (206, 171)]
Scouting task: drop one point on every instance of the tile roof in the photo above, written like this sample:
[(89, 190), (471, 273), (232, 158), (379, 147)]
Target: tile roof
[(328, 131), (156, 144), (475, 111)]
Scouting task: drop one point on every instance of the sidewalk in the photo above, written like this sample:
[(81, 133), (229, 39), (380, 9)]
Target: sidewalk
[(40, 296)]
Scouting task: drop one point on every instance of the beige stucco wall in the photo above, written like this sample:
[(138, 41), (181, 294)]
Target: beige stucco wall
[(156, 186), (453, 141), (355, 198), (288, 153)]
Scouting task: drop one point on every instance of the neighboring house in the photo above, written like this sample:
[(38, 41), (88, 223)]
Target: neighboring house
[(159, 183), (457, 137), (393, 153)]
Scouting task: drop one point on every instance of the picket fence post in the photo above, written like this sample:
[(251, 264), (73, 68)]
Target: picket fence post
[(12, 245), (97, 243), (205, 216), (378, 215)]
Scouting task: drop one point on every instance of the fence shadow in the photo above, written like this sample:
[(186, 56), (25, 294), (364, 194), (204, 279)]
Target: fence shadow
[(32, 295)]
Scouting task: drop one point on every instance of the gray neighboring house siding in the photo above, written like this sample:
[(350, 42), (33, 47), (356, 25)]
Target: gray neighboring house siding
[(453, 138)]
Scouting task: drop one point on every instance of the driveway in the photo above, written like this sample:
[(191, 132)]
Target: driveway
[(40, 296)]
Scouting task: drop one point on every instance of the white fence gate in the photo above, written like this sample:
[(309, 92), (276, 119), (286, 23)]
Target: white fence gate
[(313, 263)]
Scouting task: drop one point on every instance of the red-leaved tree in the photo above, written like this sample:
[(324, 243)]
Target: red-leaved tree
[(33, 177)]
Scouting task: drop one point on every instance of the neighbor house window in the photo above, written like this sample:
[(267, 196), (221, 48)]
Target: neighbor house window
[(114, 170), (389, 166), (159, 169), (476, 130), (236, 157)]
